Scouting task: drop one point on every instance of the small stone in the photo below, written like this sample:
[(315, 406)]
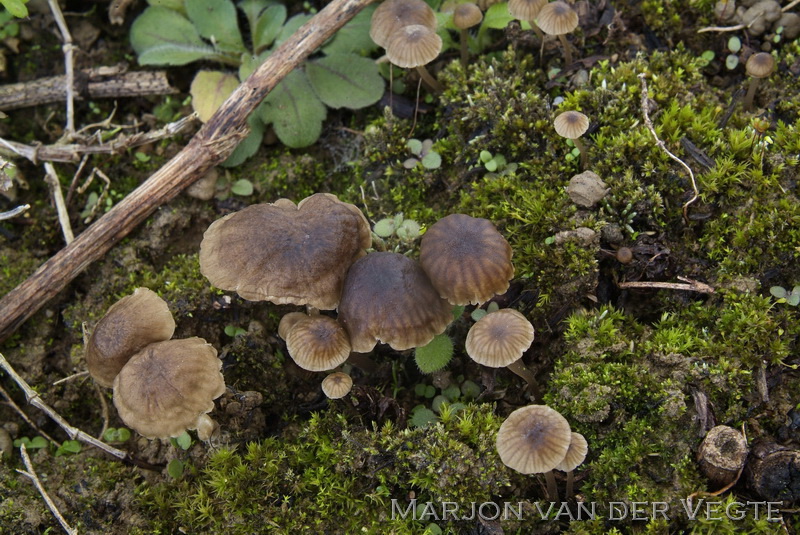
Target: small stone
[(790, 22), (722, 454), (6, 444), (612, 233), (587, 189), (205, 187)]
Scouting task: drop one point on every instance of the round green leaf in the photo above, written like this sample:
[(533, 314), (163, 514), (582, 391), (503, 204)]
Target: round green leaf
[(734, 44), (209, 90), (778, 292), (345, 81), (408, 230), (175, 468), (249, 145), (268, 26), (432, 160), (731, 61), (385, 227), (242, 187), (216, 21), (422, 416), (161, 36), (354, 36), (435, 355), (294, 111), (415, 146)]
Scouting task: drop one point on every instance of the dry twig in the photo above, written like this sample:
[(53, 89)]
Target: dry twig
[(24, 416), (31, 473), (663, 147), (689, 285), (15, 212), (58, 197), (68, 65)]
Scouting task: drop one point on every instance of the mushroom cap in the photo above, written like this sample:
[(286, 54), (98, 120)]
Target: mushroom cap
[(337, 385), (392, 15), (533, 439), (287, 322), (129, 324), (413, 46), (165, 388), (760, 65), (525, 9), (466, 258), (388, 298), (467, 15), (571, 124), (557, 18), (285, 253), (318, 343), (576, 453), (499, 338)]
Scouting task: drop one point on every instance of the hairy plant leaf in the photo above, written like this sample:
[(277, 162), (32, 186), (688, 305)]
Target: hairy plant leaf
[(249, 63), (216, 21), (345, 80), (435, 355), (291, 26), (354, 36), (15, 7), (161, 36), (294, 111), (496, 17), (249, 145), (209, 90), (268, 26), (252, 9)]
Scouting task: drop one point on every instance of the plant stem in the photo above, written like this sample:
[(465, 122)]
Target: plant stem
[(582, 148), (751, 93), (464, 51)]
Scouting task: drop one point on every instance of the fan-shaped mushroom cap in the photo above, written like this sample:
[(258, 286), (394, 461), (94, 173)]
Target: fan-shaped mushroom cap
[(466, 258), (571, 124), (499, 338), (557, 18), (760, 65), (525, 9), (318, 343), (388, 298), (337, 385), (129, 324), (287, 322), (533, 439), (467, 15), (413, 46), (578, 448), (285, 253), (167, 387), (392, 15)]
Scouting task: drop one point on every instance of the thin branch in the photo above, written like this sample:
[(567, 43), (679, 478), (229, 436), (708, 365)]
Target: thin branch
[(663, 147), (689, 285), (68, 65), (61, 208), (31, 473), (15, 212), (24, 416)]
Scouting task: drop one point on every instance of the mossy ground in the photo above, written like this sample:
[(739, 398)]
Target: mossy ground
[(626, 367)]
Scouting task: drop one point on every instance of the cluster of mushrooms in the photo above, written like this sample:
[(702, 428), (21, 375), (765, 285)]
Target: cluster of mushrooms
[(162, 387)]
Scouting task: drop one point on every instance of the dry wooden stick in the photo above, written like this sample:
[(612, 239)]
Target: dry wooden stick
[(31, 473), (68, 65), (15, 212), (58, 197), (689, 285), (210, 146)]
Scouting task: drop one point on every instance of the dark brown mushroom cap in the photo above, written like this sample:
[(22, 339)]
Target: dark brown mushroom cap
[(165, 388), (533, 439), (337, 385), (557, 18), (499, 338), (285, 253), (525, 9), (388, 298), (318, 343), (466, 258), (571, 124), (467, 15), (413, 46), (392, 15), (760, 65), (576, 454), (129, 324)]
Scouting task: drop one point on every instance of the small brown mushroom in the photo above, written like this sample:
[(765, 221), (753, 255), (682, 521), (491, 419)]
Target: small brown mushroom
[(392, 15), (527, 10), (337, 385), (413, 47), (169, 387), (572, 125), (465, 16), (129, 324), (535, 440), (558, 18), (287, 322), (388, 298), (758, 66), (576, 454), (285, 253), (318, 343), (466, 258), (722, 454)]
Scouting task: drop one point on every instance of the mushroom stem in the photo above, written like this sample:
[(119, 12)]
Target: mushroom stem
[(362, 362), (429, 80), (464, 51), (521, 370), (570, 482), (582, 148), (536, 29), (751, 93), (567, 51), (552, 489)]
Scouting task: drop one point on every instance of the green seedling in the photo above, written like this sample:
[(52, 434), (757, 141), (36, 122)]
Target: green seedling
[(68, 447), (496, 163), (435, 355), (424, 154), (31, 444), (234, 331), (116, 435), (183, 441), (791, 298), (175, 468), (478, 313)]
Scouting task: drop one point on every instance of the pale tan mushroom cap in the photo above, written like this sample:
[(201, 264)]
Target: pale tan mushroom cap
[(337, 385), (557, 18), (164, 389), (285, 253), (499, 338), (318, 343), (467, 15), (466, 258), (129, 324), (392, 15), (388, 298), (571, 124), (533, 439), (576, 454), (413, 46), (760, 65), (287, 322), (525, 9)]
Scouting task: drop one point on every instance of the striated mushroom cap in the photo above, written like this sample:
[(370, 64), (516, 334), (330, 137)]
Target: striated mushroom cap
[(467, 15), (533, 439), (285, 253), (499, 338), (168, 387), (413, 46), (525, 9), (760, 65), (388, 298), (318, 343), (337, 385), (557, 18), (466, 258), (288, 321), (576, 454), (571, 124), (392, 15), (129, 324)]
